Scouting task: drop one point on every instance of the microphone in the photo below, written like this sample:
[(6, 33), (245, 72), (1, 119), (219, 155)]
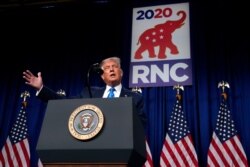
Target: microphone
[(96, 68), (93, 68)]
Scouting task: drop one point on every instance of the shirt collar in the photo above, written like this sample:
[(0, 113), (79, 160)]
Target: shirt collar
[(117, 92)]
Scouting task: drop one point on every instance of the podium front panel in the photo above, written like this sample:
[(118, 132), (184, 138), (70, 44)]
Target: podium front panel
[(114, 143)]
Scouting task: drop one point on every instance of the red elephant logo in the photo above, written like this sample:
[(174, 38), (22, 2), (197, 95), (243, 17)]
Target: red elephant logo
[(160, 35)]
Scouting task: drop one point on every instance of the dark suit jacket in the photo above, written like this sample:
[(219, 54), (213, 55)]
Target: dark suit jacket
[(97, 92)]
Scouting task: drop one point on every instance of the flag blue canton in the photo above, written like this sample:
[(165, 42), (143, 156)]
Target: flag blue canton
[(225, 127), (19, 130), (178, 127)]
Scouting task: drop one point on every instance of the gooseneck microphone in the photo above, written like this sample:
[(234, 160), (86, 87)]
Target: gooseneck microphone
[(96, 69)]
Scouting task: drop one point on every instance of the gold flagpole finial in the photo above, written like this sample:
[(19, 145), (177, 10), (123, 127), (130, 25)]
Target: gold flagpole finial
[(178, 88), (24, 95), (61, 92), (223, 85), (137, 89)]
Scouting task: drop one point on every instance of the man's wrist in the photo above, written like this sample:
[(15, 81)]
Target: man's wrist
[(37, 92)]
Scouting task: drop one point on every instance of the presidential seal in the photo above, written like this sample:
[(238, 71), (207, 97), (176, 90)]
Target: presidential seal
[(85, 122)]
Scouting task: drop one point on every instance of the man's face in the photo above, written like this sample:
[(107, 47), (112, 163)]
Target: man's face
[(112, 73)]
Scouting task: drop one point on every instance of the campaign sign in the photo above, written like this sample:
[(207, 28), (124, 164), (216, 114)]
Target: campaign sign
[(160, 48)]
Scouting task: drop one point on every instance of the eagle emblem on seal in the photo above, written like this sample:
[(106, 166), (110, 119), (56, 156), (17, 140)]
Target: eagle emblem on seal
[(86, 121)]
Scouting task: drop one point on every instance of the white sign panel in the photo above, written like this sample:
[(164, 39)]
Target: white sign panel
[(160, 48)]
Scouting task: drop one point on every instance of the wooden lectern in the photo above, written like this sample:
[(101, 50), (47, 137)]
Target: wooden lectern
[(120, 142)]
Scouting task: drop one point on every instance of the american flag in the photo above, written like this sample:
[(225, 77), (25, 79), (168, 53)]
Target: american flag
[(225, 148), (178, 149), (16, 151), (149, 161)]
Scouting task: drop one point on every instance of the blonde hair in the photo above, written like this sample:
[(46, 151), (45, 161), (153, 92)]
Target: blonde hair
[(115, 59)]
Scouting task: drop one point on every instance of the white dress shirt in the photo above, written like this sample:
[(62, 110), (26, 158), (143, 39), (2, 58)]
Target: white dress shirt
[(117, 91)]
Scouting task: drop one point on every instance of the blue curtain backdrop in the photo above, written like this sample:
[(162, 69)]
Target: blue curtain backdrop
[(63, 41)]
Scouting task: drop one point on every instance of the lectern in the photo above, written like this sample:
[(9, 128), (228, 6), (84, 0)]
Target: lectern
[(119, 142)]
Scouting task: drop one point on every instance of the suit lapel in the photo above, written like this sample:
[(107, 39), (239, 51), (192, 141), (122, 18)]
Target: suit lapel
[(99, 93), (124, 93)]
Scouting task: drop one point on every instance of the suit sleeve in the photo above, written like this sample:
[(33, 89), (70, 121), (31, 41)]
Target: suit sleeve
[(47, 94), (139, 103)]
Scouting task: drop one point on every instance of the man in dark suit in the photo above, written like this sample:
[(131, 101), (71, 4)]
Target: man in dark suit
[(112, 76)]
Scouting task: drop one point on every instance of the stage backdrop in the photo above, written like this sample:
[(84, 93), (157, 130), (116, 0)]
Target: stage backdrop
[(63, 41)]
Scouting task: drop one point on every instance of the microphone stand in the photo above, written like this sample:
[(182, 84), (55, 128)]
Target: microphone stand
[(95, 68), (88, 81)]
